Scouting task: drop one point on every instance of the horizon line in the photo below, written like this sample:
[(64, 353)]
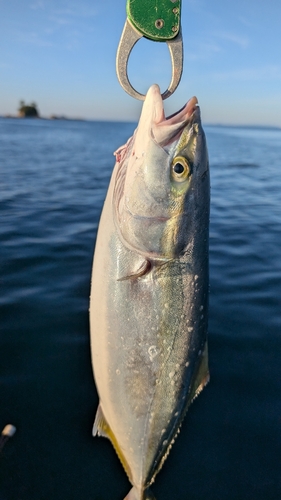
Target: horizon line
[(113, 120)]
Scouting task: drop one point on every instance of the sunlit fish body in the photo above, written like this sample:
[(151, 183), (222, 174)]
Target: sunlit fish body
[(149, 296)]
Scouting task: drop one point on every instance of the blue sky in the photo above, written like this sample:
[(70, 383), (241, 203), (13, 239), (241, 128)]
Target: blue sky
[(61, 54)]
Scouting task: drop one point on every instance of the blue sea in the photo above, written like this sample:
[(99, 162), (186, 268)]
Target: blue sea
[(54, 176)]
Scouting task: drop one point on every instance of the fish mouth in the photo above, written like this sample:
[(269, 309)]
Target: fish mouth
[(168, 129), (178, 117)]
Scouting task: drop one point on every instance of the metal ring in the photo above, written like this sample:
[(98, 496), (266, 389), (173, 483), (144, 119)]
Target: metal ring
[(129, 38)]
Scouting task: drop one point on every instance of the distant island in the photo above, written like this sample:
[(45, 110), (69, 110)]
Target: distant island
[(28, 110), (31, 111)]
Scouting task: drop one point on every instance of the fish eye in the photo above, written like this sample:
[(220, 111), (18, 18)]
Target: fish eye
[(180, 169)]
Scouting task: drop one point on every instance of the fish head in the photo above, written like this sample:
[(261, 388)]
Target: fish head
[(164, 192)]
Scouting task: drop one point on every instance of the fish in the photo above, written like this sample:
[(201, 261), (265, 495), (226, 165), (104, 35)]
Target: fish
[(149, 289)]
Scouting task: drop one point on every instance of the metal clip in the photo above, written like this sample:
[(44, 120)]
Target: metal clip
[(129, 38)]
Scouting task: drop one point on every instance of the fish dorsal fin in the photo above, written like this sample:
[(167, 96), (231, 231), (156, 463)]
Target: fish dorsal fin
[(101, 428), (202, 376), (199, 381)]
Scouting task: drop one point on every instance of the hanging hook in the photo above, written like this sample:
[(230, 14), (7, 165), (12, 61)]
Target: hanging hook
[(129, 38)]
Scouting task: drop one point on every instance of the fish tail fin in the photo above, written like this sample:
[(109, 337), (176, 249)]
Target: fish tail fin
[(140, 494)]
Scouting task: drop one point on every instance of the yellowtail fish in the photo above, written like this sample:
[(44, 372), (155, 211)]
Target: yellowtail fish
[(149, 296)]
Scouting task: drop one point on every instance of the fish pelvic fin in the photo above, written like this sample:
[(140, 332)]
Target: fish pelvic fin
[(101, 428), (140, 494), (202, 376)]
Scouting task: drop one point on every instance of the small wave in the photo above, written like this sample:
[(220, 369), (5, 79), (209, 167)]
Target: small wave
[(244, 165), (235, 165)]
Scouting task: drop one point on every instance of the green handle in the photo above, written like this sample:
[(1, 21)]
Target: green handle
[(157, 20)]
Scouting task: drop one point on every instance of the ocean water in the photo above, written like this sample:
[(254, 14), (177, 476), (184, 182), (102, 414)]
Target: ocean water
[(53, 177)]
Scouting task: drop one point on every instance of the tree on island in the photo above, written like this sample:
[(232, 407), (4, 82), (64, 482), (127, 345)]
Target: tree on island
[(28, 110)]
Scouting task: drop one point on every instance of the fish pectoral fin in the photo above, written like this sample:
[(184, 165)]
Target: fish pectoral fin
[(142, 271), (202, 376), (101, 428)]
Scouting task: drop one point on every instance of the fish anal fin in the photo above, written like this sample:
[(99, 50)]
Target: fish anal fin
[(101, 428), (202, 376)]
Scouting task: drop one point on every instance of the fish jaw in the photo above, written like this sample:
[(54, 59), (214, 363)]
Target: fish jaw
[(151, 207), (153, 122)]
